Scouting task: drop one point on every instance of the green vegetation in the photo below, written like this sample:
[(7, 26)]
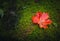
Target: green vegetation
[(25, 30)]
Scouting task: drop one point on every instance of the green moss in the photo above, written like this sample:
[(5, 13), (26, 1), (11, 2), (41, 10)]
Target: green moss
[(25, 30), (36, 33)]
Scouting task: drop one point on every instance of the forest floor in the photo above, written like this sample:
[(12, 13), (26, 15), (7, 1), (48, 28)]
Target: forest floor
[(25, 30)]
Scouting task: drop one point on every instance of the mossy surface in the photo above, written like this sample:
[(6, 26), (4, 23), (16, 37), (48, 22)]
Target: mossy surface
[(25, 30), (32, 32)]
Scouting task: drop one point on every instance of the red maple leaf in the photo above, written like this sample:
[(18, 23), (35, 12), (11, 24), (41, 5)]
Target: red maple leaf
[(42, 19)]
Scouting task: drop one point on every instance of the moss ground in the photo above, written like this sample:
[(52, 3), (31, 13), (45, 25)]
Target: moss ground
[(25, 30), (31, 32)]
